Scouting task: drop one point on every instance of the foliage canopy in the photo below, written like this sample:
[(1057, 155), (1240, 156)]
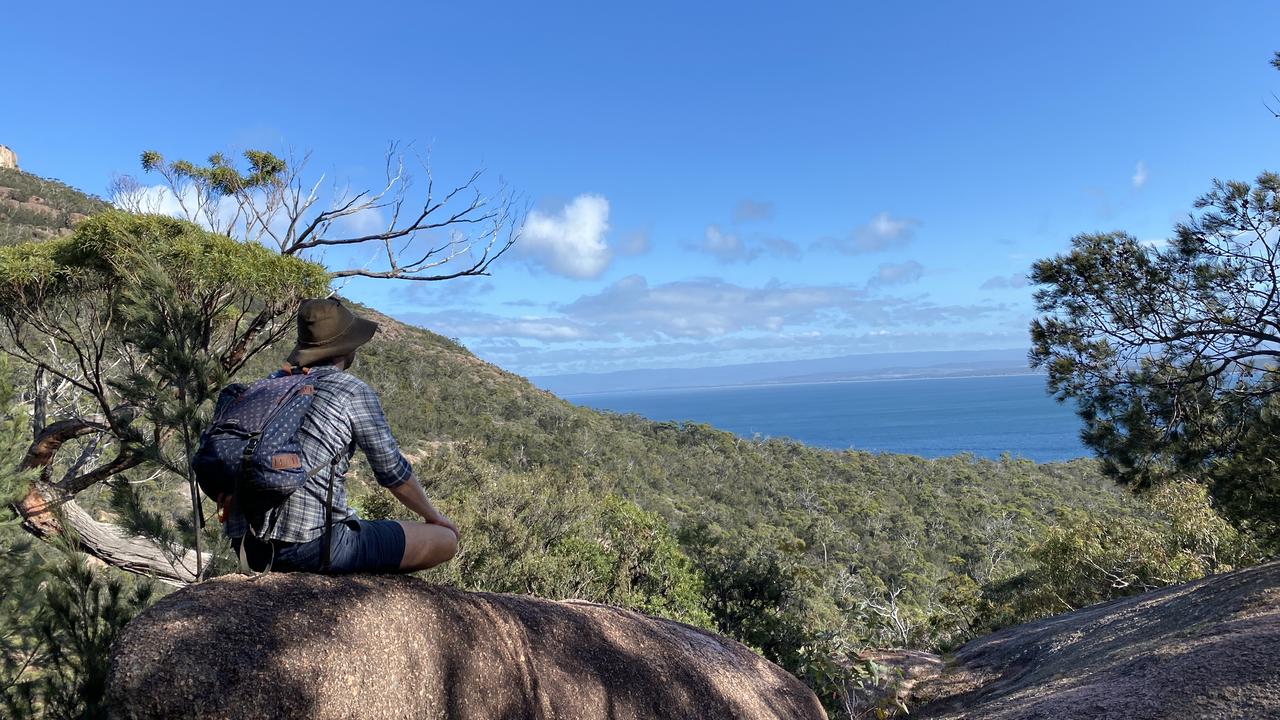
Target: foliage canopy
[(1170, 351), (131, 325)]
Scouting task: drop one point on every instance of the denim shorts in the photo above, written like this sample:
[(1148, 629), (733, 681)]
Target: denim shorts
[(372, 546)]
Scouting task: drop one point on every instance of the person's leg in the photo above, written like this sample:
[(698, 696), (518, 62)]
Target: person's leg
[(365, 546), (382, 546), (426, 546)]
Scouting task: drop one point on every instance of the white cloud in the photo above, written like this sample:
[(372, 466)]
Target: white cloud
[(781, 247), (1002, 282), (726, 247), (368, 221), (1140, 175), (702, 316), (542, 330), (730, 248), (712, 307), (220, 215), (160, 200), (882, 232), (571, 242), (459, 292), (466, 324), (707, 320), (897, 273)]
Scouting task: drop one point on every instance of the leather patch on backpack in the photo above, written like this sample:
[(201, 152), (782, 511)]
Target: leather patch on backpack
[(285, 461), (307, 390)]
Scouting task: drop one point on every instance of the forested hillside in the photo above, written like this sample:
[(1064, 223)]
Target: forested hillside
[(35, 208), (851, 529)]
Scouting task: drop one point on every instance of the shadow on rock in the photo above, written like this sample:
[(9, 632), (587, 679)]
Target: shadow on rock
[(308, 646)]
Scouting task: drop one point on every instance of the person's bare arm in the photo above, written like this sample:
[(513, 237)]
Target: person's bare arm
[(412, 496), (372, 434)]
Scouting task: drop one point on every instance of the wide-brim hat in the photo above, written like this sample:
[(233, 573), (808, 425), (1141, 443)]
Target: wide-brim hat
[(327, 329)]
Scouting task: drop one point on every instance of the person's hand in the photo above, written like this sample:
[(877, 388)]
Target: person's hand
[(439, 518)]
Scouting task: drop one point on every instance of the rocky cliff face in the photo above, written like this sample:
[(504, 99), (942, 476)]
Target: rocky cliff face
[(8, 158), (1208, 649), (307, 646)]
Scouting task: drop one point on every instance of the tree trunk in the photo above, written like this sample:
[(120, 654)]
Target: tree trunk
[(109, 543), (45, 509)]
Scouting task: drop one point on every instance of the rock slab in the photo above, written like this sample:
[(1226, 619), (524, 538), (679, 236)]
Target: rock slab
[(365, 646), (1209, 650)]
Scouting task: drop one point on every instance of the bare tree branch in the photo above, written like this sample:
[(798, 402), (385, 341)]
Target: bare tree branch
[(437, 238)]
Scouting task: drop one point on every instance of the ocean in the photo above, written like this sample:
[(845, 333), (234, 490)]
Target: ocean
[(986, 416)]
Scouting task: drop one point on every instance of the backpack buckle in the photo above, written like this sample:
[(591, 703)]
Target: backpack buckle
[(251, 446)]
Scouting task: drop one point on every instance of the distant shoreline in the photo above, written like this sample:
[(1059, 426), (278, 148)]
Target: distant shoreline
[(800, 384)]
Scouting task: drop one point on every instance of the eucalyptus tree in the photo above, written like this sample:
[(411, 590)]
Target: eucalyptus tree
[(131, 324), (404, 229)]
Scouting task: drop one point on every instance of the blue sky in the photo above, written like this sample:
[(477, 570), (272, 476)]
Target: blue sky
[(708, 183)]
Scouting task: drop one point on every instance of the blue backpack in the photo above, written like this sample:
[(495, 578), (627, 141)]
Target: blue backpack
[(249, 455)]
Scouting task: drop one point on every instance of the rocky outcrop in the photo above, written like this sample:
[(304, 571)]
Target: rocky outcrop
[(36, 208), (1208, 650), (308, 646)]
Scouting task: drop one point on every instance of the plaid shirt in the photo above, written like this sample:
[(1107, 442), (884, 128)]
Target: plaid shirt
[(344, 414)]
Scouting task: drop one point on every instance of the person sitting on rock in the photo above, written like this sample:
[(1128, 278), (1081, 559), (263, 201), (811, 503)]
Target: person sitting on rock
[(345, 413)]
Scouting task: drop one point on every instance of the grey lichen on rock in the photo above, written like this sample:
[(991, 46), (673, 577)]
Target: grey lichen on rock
[(308, 646), (8, 158)]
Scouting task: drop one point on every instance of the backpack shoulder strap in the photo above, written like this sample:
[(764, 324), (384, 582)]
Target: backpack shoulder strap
[(327, 545)]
